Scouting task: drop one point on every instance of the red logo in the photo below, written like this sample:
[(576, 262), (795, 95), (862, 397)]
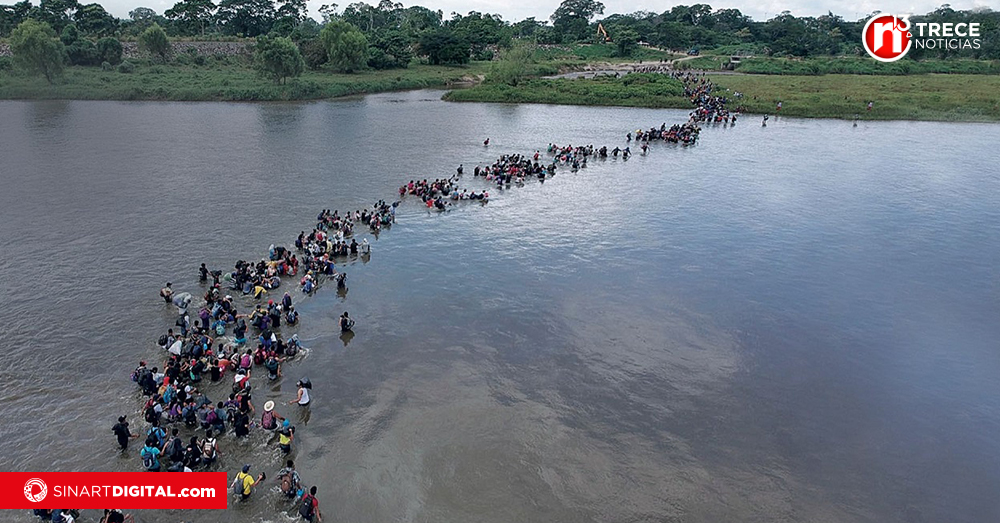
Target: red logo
[(125, 490), (887, 38)]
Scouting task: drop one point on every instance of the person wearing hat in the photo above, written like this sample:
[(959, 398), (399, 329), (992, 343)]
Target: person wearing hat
[(244, 482), (285, 436), (270, 419)]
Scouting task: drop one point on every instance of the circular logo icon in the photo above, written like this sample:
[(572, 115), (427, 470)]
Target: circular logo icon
[(887, 38), (31, 494)]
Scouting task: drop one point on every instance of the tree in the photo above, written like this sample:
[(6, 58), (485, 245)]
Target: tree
[(294, 9), (12, 15), (572, 17), (109, 50), (346, 46), (246, 17), (313, 52), (57, 13), (443, 46), (389, 50), (625, 40), (142, 17), (93, 20), (36, 49), (513, 66), (154, 41), (79, 51), (278, 58), (191, 14)]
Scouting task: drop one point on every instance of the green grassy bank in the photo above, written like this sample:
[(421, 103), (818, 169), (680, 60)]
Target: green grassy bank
[(224, 82), (843, 65), (951, 97), (635, 90)]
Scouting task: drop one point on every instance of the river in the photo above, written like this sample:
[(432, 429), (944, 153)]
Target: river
[(790, 323)]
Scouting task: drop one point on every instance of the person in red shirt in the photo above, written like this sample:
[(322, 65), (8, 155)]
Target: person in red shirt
[(309, 509)]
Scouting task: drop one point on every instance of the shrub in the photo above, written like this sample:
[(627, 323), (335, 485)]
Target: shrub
[(106, 66), (6, 63), (109, 50), (82, 52), (313, 52), (126, 67)]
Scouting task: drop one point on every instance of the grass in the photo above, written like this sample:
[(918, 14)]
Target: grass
[(636, 90), (843, 65), (951, 97), (858, 65), (224, 81), (583, 53)]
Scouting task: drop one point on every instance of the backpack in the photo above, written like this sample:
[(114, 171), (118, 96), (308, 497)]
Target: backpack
[(148, 459), (268, 421), (292, 349), (208, 448), (211, 417), (238, 484), (306, 509), (220, 329), (176, 450), (150, 415), (162, 342)]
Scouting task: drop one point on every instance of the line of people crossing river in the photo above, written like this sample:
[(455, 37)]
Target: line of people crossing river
[(239, 333)]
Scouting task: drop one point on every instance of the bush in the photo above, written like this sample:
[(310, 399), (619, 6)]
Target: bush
[(199, 60), (109, 50), (82, 52), (6, 63), (106, 66), (126, 67), (313, 52), (154, 41)]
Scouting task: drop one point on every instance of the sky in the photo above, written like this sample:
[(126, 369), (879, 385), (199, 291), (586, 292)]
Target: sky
[(515, 10)]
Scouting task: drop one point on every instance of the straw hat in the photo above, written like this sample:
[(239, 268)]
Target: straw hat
[(269, 406)]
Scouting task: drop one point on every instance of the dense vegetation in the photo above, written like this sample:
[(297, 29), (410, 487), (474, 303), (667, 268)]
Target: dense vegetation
[(365, 48)]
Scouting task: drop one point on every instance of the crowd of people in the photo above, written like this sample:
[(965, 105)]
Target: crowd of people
[(224, 341)]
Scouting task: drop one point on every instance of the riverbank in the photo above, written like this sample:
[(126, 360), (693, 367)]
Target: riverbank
[(634, 90), (227, 80), (965, 98)]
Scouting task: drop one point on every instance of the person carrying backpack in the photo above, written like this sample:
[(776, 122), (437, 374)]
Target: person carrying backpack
[(174, 449), (149, 455), (309, 509), (244, 482), (209, 449), (289, 479), (157, 434)]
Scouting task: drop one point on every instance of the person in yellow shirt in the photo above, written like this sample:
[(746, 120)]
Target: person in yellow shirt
[(244, 482), (285, 436)]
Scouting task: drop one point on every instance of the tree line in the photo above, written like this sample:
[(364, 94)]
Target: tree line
[(387, 35)]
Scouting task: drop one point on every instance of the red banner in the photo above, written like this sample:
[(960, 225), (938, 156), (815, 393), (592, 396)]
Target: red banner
[(122, 490)]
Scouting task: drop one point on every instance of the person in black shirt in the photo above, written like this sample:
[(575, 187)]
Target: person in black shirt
[(121, 431)]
